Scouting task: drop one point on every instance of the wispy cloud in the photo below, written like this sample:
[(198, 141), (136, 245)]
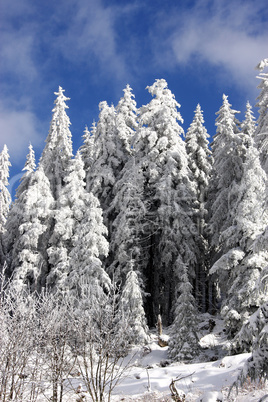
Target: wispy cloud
[(90, 38), (231, 36), (18, 128), (19, 74), (40, 44)]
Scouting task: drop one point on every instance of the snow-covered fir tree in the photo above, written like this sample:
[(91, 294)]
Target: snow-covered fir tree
[(57, 153), (13, 218), (67, 214), (248, 126), (28, 227), (78, 223), (126, 239), (89, 247), (256, 334), (113, 137), (108, 157), (183, 342), (114, 133), (261, 133), (131, 306), (227, 169), (87, 149), (239, 266), (200, 164), (5, 197), (168, 230), (126, 119)]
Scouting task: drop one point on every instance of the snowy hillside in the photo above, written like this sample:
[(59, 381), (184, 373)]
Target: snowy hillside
[(150, 379), (151, 373)]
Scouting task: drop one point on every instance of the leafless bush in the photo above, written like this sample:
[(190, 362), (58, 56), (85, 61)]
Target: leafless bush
[(101, 344), (17, 326), (55, 336), (44, 339)]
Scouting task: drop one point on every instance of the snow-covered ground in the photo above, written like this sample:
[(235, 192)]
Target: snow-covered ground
[(208, 379), (149, 381)]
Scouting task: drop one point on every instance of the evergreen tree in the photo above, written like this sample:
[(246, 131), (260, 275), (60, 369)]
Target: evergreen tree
[(87, 150), (126, 239), (69, 212), (114, 134), (132, 307), (78, 223), (256, 367), (261, 137), (184, 343), (227, 169), (200, 164), (113, 138), (126, 120), (57, 153), (167, 230), (5, 198), (107, 160), (247, 220), (28, 225), (13, 218), (89, 245), (248, 126), (77, 240), (55, 162)]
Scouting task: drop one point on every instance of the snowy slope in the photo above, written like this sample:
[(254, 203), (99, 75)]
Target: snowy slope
[(150, 378), (148, 375)]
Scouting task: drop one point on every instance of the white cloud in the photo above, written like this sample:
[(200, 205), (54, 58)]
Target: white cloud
[(16, 53), (18, 128), (232, 36), (91, 38)]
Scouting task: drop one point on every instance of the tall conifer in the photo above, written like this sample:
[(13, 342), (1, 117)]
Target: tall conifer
[(57, 153)]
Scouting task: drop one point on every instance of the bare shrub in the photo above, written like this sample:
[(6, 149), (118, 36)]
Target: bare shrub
[(100, 343)]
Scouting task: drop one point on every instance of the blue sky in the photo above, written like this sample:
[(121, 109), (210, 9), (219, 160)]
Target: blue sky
[(94, 48)]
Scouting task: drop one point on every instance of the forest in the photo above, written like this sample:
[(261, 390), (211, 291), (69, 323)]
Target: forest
[(145, 223)]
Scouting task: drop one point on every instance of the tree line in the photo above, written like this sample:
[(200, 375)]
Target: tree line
[(178, 224)]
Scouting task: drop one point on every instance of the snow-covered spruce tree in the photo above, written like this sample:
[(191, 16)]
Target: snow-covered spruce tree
[(89, 245), (240, 265), (200, 164), (14, 215), (256, 367), (68, 213), (28, 228), (227, 169), (126, 238), (78, 224), (113, 136), (126, 120), (108, 157), (131, 306), (5, 197), (57, 153), (248, 126), (261, 133), (184, 343), (87, 149), (168, 230)]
